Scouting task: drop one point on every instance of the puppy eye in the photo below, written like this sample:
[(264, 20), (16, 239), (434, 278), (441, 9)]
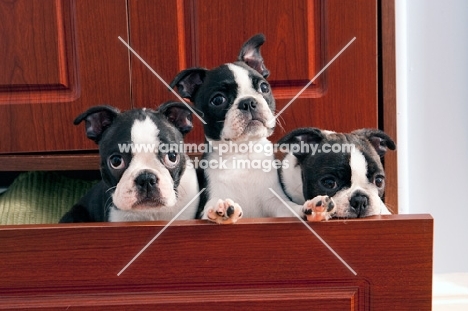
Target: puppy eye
[(329, 183), (379, 181), (116, 162), (171, 159), (218, 100), (264, 87)]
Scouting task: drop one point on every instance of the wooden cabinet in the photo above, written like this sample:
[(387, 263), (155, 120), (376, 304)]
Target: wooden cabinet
[(302, 37), (58, 58), (267, 264), (61, 57)]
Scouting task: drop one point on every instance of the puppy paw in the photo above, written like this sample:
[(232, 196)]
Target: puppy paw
[(225, 212), (319, 208)]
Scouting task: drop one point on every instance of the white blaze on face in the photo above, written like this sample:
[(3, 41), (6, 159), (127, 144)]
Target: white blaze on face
[(144, 135), (292, 178), (236, 122), (358, 165), (359, 182)]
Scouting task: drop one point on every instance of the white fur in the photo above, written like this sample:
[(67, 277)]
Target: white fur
[(248, 187), (292, 178), (187, 190), (236, 126), (292, 181), (125, 195), (359, 183), (358, 165)]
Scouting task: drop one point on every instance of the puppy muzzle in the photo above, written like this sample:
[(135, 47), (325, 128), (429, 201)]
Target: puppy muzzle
[(358, 204), (251, 108), (146, 182)]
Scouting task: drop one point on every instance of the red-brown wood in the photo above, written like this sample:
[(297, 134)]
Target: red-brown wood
[(58, 58), (50, 162), (388, 97), (89, 61), (302, 37), (258, 264), (37, 65), (222, 27), (155, 36)]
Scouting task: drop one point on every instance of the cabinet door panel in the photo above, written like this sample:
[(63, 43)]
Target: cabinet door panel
[(36, 58), (59, 58), (292, 29), (275, 263), (69, 59), (302, 37)]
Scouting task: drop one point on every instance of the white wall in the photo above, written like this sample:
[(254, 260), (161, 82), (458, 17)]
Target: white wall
[(432, 83)]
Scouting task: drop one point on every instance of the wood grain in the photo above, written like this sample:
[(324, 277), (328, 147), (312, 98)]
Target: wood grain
[(32, 58), (185, 33), (67, 60), (302, 37), (388, 98), (258, 264), (50, 162)]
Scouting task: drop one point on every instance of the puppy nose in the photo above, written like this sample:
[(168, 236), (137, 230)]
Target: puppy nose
[(359, 203), (146, 181), (248, 104)]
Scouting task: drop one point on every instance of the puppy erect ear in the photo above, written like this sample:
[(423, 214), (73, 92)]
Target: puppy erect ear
[(188, 81), (97, 120), (378, 139), (250, 54), (178, 114), (299, 138)]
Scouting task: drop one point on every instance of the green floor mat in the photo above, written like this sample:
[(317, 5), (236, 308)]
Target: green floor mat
[(40, 198)]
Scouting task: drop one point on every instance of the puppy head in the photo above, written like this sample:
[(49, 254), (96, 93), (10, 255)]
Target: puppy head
[(345, 166), (140, 158), (235, 98)]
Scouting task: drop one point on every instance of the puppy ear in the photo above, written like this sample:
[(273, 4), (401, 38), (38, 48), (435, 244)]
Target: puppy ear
[(297, 139), (97, 120), (188, 81), (178, 114), (250, 54), (378, 139)]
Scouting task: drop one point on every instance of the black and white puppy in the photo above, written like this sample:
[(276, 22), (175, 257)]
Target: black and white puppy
[(143, 167), (344, 166), (238, 106)]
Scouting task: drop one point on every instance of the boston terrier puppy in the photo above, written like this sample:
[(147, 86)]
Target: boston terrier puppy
[(237, 105), (346, 167), (143, 165)]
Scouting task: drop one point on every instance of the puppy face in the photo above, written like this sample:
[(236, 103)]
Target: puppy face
[(235, 98), (141, 158), (237, 102), (353, 175), (146, 176), (355, 181)]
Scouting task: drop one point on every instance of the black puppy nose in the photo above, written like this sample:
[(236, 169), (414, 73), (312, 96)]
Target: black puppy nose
[(146, 181), (247, 104), (359, 203)]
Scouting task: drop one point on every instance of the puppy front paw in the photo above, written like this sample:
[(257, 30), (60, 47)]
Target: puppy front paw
[(225, 212), (319, 208)]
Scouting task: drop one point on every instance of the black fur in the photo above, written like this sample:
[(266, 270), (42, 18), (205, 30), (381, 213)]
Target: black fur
[(108, 127)]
